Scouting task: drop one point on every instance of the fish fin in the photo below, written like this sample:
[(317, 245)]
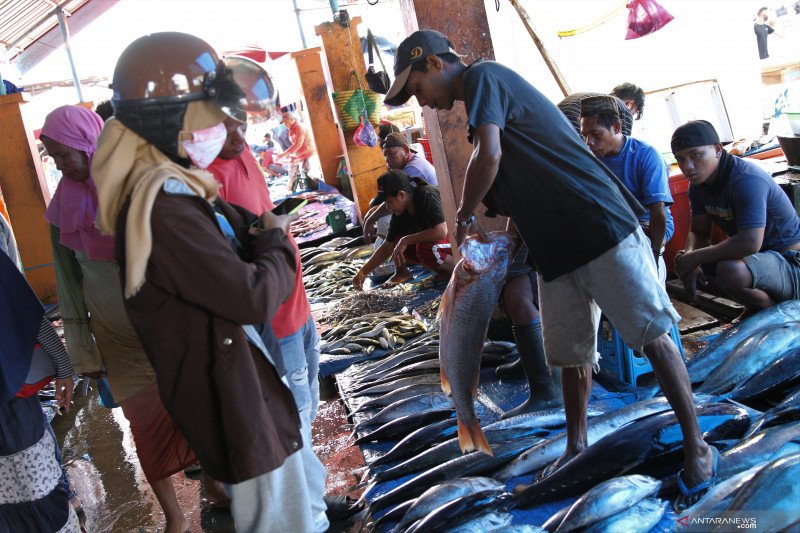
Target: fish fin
[(471, 437), (445, 382)]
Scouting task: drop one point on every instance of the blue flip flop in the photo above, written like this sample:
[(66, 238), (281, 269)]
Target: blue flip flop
[(690, 496)]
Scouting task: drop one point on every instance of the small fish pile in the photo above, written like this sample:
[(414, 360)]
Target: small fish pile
[(333, 282), (306, 225), (430, 308), (384, 330), (359, 303), (317, 259)]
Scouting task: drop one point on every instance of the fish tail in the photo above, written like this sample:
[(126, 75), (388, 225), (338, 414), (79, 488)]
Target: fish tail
[(471, 437)]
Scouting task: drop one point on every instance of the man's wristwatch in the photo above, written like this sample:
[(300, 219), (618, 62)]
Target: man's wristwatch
[(465, 223)]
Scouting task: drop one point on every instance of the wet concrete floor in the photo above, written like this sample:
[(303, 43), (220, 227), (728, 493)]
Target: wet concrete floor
[(101, 460)]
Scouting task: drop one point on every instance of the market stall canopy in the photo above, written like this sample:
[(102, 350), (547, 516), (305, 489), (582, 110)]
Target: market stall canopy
[(29, 28)]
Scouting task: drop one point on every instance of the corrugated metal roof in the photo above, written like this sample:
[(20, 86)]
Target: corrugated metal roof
[(22, 22)]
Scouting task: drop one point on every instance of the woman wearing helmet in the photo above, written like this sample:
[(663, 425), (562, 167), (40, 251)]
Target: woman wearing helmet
[(187, 292)]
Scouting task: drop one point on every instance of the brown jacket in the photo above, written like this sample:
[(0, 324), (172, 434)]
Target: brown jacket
[(226, 399)]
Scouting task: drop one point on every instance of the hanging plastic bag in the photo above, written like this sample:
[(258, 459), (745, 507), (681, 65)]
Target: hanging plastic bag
[(645, 17), (365, 134)]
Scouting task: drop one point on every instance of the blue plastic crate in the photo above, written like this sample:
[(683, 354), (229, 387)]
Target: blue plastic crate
[(620, 360)]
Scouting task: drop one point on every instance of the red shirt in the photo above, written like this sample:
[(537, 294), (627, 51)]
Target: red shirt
[(302, 144), (243, 184)]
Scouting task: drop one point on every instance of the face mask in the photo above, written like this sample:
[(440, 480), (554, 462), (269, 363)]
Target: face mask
[(205, 145)]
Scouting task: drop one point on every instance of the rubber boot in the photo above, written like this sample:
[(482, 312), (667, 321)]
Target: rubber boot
[(544, 383), (510, 370)]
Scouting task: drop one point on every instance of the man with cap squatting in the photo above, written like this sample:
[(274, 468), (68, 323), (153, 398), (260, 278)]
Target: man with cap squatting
[(399, 155), (579, 223), (417, 231), (758, 264), (638, 165)]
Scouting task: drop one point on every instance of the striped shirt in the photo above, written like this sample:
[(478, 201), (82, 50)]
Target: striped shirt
[(52, 344)]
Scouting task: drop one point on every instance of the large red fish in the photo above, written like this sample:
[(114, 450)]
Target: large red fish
[(467, 306)]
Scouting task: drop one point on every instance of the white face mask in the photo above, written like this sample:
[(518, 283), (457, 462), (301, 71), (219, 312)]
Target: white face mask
[(206, 145)]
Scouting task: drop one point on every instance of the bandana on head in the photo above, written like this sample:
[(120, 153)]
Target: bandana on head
[(694, 133), (73, 207)]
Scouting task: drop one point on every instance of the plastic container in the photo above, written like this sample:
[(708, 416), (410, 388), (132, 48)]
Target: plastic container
[(794, 121)]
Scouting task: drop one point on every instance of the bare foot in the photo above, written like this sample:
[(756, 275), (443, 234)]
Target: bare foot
[(181, 527), (215, 492), (555, 465), (399, 277)]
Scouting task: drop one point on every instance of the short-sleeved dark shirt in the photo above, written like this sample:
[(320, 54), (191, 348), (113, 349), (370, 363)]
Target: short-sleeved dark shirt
[(571, 107), (744, 196), (762, 31), (427, 214), (567, 206)]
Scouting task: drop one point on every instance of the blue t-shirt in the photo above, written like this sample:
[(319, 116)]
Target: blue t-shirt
[(567, 206), (420, 168), (744, 196), (643, 171)]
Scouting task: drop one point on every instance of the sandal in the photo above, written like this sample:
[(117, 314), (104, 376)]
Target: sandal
[(690, 496)]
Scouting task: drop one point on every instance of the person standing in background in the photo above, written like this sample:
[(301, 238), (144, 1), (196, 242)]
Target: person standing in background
[(762, 29)]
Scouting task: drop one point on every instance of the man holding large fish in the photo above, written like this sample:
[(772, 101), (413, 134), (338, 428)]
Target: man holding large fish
[(579, 223)]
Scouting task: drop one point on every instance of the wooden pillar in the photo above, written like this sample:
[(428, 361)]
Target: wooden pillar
[(327, 136), (464, 23), (26, 195), (343, 54)]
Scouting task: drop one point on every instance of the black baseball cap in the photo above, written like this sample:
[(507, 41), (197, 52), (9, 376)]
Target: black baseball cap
[(694, 133), (389, 184), (414, 48)]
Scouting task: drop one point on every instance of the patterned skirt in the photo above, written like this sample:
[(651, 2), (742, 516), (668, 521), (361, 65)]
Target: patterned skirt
[(31, 498)]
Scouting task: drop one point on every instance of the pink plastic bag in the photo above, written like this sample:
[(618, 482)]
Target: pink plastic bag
[(365, 134), (645, 17)]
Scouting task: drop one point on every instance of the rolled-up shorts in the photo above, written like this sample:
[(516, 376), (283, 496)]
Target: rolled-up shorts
[(622, 284), (776, 273)]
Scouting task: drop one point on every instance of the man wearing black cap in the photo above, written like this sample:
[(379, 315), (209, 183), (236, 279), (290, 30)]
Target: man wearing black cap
[(759, 263), (579, 223), (399, 155), (417, 231)]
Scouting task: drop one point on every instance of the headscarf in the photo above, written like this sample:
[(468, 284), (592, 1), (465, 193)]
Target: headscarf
[(73, 207), (126, 165)]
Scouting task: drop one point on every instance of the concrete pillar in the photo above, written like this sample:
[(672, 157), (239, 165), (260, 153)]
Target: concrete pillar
[(327, 136), (343, 55), (26, 195), (464, 23)]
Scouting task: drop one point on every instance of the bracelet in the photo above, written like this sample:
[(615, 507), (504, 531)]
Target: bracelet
[(465, 223)]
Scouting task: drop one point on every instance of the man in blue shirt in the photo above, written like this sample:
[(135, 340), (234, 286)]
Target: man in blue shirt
[(758, 264), (579, 223), (638, 165)]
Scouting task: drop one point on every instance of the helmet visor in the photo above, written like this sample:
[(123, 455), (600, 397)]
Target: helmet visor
[(246, 88)]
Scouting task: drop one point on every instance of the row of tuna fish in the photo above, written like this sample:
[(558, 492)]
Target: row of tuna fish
[(753, 362)]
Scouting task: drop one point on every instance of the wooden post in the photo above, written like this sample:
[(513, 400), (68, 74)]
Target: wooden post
[(447, 130), (26, 195), (327, 135), (343, 55)]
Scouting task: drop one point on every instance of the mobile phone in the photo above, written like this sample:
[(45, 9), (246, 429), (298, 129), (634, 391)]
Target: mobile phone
[(289, 206)]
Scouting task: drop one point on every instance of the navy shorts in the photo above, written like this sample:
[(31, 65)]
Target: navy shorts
[(776, 273)]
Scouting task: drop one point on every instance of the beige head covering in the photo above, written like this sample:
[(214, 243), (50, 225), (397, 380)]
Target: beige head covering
[(126, 165)]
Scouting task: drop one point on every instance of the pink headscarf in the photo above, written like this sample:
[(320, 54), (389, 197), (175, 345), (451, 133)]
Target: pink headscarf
[(74, 204)]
